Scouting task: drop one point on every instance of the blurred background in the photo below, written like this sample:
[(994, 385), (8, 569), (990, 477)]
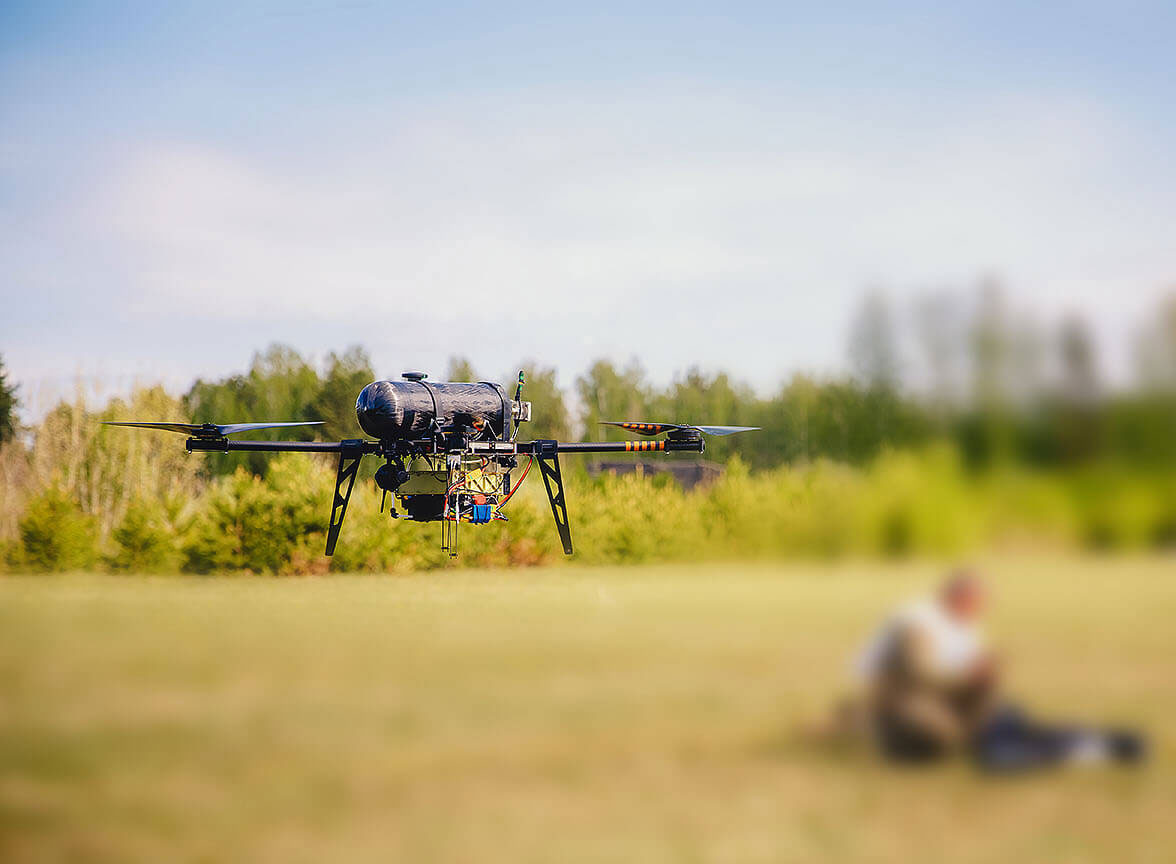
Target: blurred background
[(927, 248), (959, 425)]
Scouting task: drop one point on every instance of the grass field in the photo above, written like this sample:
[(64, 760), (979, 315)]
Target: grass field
[(639, 715)]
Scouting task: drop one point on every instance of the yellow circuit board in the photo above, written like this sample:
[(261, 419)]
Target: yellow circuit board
[(427, 476)]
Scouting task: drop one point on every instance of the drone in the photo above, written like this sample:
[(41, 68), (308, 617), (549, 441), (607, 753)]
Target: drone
[(448, 449)]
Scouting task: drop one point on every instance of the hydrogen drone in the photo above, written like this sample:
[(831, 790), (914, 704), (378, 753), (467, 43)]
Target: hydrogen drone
[(449, 450)]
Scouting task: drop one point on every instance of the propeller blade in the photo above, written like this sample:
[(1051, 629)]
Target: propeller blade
[(658, 428), (643, 428), (249, 427), (210, 430), (725, 430), (183, 428)]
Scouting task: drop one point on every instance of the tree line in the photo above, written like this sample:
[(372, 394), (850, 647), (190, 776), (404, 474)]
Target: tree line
[(966, 368), (978, 377), (1007, 423)]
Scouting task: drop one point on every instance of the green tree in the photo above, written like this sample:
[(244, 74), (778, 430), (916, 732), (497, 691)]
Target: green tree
[(270, 525), (144, 542), (346, 374), (55, 534), (873, 344), (549, 411), (279, 386), (283, 385), (1155, 349), (607, 393), (987, 432), (460, 369), (8, 406), (1077, 416), (709, 399)]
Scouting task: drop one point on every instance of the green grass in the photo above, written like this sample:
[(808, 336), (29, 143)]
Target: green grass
[(628, 715)]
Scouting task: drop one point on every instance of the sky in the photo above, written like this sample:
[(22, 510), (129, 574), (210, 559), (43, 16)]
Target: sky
[(686, 184)]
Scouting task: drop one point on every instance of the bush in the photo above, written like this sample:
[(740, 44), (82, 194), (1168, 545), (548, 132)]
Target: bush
[(144, 541), (904, 503), (1119, 510), (276, 525), (55, 534)]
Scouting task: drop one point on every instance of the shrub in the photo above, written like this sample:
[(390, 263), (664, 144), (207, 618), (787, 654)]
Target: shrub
[(922, 502), (144, 541), (55, 534), (262, 526)]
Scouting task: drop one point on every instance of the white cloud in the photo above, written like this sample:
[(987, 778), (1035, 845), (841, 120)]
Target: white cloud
[(733, 232)]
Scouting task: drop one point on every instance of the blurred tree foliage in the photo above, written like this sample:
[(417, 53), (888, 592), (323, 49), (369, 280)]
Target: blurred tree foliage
[(280, 386), (334, 402), (608, 393), (55, 534), (98, 467), (1000, 418), (460, 369), (8, 406), (145, 540), (549, 412), (263, 526)]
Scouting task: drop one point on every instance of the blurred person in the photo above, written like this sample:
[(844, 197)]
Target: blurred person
[(930, 689), (928, 676)]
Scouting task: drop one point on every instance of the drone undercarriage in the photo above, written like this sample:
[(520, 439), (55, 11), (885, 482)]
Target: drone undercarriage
[(465, 481), (450, 489)]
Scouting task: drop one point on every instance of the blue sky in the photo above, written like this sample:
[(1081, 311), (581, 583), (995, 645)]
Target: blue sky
[(181, 185)]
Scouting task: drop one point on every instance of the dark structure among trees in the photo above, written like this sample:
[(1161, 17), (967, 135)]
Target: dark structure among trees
[(688, 475)]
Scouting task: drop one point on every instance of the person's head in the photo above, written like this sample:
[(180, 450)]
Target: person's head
[(963, 595)]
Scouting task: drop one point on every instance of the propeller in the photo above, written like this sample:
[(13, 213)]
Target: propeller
[(658, 428), (210, 430)]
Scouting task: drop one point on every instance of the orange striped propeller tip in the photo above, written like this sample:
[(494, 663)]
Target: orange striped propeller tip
[(658, 428)]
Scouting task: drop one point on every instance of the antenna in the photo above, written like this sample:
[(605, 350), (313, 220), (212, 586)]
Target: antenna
[(518, 399)]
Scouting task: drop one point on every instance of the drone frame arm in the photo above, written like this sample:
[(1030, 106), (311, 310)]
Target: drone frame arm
[(226, 445), (669, 445)]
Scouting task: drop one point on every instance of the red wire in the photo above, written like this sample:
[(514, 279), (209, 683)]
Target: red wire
[(445, 500), (502, 503)]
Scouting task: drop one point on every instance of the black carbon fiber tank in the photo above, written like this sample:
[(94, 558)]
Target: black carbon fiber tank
[(391, 410)]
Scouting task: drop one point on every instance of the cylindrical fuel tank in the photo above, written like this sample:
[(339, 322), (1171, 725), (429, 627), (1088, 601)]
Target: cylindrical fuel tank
[(406, 409)]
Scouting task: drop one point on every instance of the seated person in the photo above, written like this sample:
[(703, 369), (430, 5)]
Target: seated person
[(931, 689)]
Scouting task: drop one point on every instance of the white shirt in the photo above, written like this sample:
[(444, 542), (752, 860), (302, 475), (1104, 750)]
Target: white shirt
[(954, 645)]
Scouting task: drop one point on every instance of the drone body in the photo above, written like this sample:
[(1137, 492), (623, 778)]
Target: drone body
[(449, 450)]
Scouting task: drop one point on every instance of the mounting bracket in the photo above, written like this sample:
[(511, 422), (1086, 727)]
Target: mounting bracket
[(349, 459), (547, 454)]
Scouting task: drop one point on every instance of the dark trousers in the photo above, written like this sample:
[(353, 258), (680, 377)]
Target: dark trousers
[(1009, 742)]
